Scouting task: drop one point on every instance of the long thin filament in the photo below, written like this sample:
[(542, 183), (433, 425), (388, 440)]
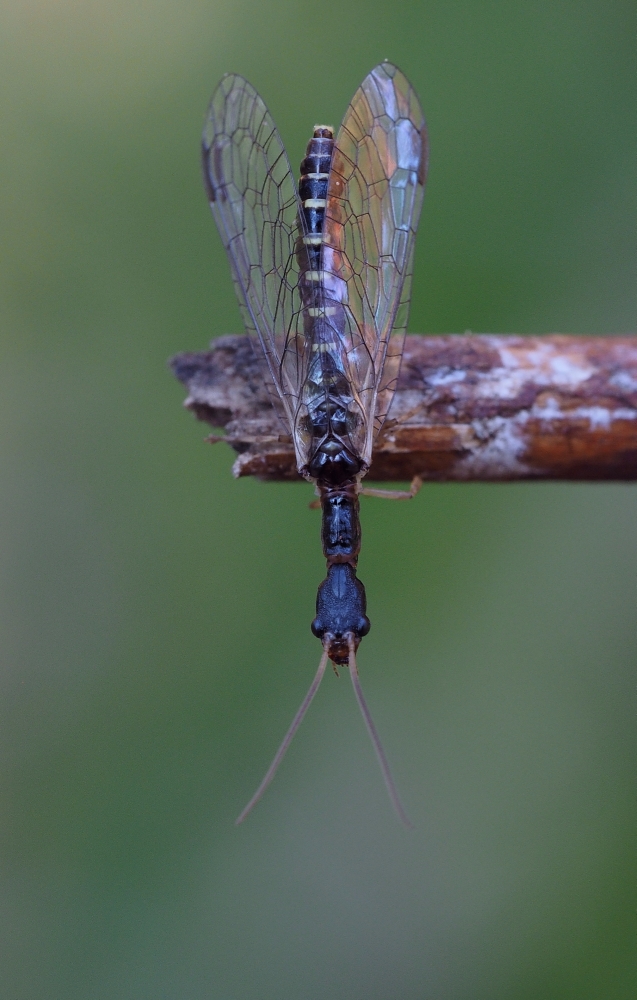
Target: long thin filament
[(289, 736), (373, 735)]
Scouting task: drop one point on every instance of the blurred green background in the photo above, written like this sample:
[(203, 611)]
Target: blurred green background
[(155, 612)]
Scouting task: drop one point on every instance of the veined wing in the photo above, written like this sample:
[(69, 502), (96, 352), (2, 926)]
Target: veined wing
[(254, 201), (374, 197)]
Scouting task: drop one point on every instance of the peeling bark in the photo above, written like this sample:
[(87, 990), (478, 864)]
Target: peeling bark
[(483, 407)]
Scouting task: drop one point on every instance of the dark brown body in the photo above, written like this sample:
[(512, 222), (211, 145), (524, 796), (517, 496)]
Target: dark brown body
[(341, 602), (307, 290)]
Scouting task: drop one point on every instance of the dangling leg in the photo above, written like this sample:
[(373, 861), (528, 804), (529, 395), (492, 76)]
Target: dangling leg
[(289, 736), (416, 483), (378, 747)]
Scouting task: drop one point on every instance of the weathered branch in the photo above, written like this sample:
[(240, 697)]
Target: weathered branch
[(473, 407)]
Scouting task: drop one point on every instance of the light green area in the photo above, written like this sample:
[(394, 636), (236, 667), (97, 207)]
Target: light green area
[(155, 613)]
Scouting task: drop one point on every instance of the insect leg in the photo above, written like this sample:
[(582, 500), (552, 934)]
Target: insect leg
[(416, 483)]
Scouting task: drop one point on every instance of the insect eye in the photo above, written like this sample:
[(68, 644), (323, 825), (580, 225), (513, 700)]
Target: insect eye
[(364, 626), (319, 630)]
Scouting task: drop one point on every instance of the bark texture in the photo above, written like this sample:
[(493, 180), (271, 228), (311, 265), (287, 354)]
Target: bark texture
[(486, 407)]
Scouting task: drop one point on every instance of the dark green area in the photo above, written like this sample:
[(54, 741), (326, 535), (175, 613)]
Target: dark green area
[(155, 613)]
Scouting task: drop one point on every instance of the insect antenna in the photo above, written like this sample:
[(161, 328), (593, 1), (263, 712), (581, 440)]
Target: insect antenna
[(375, 738), (289, 736)]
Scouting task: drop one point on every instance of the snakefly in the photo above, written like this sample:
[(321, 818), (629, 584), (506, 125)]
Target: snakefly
[(322, 272)]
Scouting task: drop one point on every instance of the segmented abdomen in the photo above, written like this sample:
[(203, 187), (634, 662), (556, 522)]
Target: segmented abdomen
[(322, 292), (315, 171), (326, 394)]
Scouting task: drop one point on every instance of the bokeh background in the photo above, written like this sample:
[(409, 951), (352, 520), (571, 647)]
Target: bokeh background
[(155, 612)]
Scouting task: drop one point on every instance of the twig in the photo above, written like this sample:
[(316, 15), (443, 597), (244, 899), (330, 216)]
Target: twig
[(482, 407)]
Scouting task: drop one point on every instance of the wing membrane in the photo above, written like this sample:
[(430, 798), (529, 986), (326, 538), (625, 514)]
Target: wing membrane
[(374, 198), (254, 201)]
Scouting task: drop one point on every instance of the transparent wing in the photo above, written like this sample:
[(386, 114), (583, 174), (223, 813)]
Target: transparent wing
[(374, 197), (254, 201)]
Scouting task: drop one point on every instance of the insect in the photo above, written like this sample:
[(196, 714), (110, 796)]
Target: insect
[(322, 272)]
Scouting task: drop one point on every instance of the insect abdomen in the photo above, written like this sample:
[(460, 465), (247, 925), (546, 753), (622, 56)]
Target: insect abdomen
[(327, 393), (315, 170)]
